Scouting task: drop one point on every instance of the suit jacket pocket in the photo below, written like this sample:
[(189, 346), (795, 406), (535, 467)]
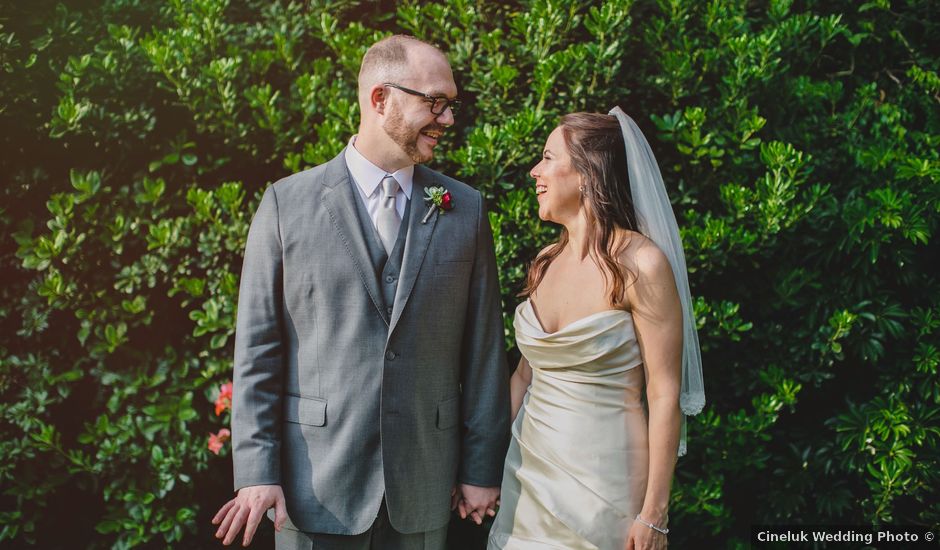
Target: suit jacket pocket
[(448, 413), (310, 411)]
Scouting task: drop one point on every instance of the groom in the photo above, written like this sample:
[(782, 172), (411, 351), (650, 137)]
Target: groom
[(370, 376)]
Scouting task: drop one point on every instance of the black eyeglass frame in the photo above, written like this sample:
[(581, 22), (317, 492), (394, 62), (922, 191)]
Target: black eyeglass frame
[(454, 104)]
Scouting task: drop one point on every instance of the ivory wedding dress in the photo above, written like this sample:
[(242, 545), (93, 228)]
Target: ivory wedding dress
[(576, 472)]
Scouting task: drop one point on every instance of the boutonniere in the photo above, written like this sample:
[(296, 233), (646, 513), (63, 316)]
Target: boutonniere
[(439, 199)]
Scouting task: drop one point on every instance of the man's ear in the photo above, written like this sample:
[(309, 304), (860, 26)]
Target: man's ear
[(378, 95)]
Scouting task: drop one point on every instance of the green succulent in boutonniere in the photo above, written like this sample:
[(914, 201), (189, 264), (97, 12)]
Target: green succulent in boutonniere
[(439, 199)]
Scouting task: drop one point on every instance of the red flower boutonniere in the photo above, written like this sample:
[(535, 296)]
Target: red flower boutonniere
[(440, 199)]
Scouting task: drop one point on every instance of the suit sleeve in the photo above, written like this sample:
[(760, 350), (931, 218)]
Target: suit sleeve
[(485, 373), (259, 353)]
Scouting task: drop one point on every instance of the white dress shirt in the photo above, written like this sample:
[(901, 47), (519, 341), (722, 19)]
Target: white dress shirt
[(367, 178)]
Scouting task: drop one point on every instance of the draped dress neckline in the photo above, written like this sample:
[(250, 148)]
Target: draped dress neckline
[(541, 328)]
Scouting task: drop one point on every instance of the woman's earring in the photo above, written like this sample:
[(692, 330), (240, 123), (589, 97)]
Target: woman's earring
[(581, 189)]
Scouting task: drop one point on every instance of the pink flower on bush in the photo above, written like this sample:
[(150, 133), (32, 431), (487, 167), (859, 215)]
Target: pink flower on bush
[(224, 401), (217, 441)]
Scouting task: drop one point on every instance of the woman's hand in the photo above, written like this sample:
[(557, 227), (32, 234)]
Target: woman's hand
[(642, 537)]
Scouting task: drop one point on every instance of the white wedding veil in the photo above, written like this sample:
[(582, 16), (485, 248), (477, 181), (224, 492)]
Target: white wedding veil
[(657, 221)]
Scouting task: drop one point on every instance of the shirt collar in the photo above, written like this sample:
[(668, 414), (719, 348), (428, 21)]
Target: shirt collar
[(369, 176)]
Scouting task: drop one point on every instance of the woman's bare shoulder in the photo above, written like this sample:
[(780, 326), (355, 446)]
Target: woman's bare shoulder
[(641, 256)]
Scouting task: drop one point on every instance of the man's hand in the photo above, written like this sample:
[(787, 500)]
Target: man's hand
[(477, 501), (247, 509)]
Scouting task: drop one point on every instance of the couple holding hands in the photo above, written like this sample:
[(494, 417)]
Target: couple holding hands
[(371, 392)]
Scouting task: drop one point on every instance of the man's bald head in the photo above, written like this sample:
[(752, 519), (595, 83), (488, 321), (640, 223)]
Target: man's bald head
[(388, 60), (397, 125)]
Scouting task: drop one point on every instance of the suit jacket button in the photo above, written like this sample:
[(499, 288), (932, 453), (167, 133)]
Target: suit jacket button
[(390, 355), (388, 310), (389, 278)]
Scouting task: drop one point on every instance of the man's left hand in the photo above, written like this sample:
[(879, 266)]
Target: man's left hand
[(475, 502)]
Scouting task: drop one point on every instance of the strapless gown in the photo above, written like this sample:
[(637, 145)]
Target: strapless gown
[(576, 472)]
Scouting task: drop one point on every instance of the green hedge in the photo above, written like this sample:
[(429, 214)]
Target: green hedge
[(799, 142)]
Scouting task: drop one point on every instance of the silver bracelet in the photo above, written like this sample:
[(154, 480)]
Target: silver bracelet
[(651, 526)]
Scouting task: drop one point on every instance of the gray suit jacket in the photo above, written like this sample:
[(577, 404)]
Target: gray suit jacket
[(340, 404)]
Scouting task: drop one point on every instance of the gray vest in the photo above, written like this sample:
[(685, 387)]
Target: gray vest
[(387, 267)]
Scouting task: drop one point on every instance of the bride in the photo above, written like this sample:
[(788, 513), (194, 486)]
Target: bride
[(610, 360)]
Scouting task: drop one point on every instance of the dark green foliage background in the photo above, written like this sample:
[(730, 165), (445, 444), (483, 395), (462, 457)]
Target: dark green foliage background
[(799, 141)]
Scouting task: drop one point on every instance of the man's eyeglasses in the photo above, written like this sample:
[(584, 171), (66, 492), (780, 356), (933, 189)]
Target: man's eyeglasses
[(438, 103)]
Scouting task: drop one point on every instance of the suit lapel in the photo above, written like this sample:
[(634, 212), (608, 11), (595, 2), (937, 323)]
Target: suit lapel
[(419, 237), (338, 199)]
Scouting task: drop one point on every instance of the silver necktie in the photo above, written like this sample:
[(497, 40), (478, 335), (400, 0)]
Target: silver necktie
[(387, 220)]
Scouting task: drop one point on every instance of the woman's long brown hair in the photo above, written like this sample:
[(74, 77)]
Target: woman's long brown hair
[(595, 144)]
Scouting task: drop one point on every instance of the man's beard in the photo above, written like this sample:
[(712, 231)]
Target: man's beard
[(405, 137)]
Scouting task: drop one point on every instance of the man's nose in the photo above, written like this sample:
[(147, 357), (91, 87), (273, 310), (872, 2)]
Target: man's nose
[(446, 118)]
